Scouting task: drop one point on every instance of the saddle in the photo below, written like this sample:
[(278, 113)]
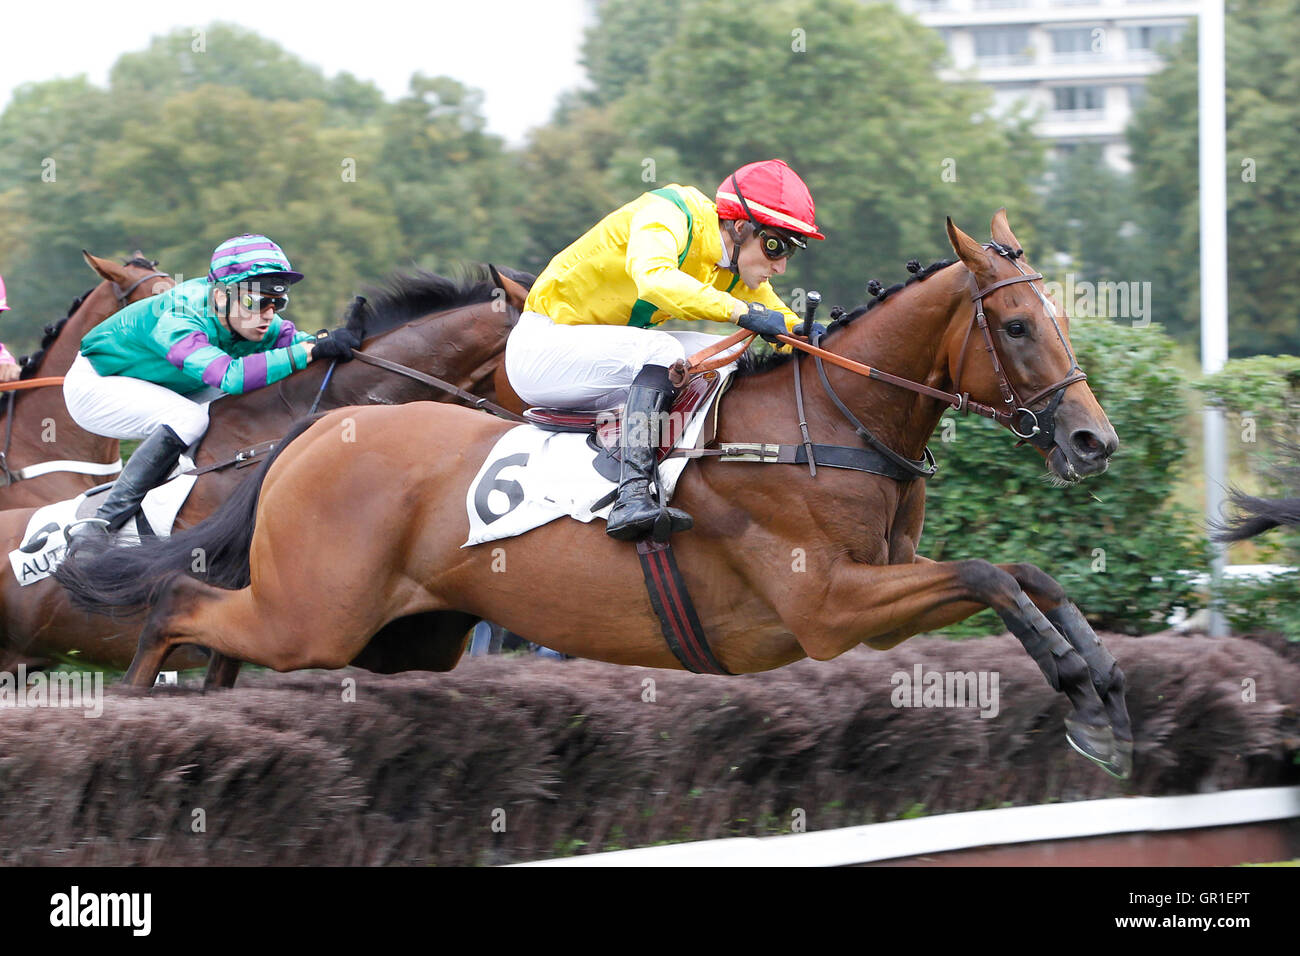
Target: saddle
[(605, 425)]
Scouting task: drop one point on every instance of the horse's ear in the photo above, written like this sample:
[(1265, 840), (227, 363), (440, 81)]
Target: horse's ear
[(107, 269), (1001, 232), (971, 253), (516, 294)]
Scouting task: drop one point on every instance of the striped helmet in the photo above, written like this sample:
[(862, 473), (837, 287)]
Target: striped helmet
[(772, 193), (247, 257), (4, 306)]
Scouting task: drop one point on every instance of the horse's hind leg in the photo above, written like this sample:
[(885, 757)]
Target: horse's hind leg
[(153, 646), (286, 630), (1103, 669), (222, 672)]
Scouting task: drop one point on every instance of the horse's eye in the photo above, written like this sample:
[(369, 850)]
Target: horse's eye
[(1017, 329)]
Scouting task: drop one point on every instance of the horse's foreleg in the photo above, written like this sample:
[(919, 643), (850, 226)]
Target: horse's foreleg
[(1105, 671), (883, 605)]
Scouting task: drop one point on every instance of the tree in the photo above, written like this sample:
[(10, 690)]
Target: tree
[(452, 183), (226, 55), (195, 178), (849, 96), (1088, 218), (1263, 170)]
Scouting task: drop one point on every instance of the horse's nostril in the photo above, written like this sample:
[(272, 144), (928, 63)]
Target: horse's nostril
[(1088, 446)]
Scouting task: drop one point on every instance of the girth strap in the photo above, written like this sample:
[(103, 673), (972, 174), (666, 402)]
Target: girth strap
[(672, 603)]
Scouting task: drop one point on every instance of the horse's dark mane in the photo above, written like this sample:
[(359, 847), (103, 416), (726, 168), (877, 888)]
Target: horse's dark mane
[(405, 296), (31, 363), (753, 363)]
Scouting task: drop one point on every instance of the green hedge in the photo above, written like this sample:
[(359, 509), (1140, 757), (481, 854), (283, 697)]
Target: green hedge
[(1115, 542), (1260, 397)]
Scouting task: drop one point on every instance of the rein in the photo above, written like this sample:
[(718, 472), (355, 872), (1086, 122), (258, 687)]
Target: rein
[(251, 454), (473, 400), (1035, 428)]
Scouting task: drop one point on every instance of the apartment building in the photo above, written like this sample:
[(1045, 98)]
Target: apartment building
[(1080, 65)]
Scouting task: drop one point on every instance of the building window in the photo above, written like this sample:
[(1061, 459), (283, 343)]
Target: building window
[(1137, 95), (1078, 43), (999, 4), (1145, 41), (1079, 99), (1003, 46)]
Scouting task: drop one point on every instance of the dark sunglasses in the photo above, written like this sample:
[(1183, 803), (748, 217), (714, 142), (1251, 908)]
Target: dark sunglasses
[(259, 303), (778, 246)]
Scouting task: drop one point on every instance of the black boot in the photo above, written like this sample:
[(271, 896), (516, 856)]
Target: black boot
[(147, 467), (635, 512)]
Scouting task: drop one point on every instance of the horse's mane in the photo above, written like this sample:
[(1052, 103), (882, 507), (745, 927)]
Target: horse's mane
[(402, 297), (753, 363), (32, 363)]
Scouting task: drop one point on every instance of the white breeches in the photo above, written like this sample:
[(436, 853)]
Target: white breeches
[(118, 406), (582, 366)]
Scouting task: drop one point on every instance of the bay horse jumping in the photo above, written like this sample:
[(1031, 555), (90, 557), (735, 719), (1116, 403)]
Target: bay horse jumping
[(45, 455), (354, 528), (428, 323)]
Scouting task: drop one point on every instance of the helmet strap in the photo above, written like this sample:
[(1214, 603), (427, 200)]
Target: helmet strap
[(731, 226)]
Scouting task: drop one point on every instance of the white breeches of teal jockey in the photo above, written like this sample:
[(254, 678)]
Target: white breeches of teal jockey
[(582, 366), (118, 406)]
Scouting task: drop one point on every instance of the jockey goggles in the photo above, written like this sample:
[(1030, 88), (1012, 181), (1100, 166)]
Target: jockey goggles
[(774, 243), (258, 303)]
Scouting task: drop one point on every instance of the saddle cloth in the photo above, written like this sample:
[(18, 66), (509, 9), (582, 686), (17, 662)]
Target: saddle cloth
[(44, 544), (533, 476)]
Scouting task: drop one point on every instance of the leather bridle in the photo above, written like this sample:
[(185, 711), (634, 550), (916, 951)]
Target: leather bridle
[(124, 295), (1035, 428)]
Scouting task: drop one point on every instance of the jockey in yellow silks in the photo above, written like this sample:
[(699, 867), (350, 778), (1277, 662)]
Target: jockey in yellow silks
[(586, 337)]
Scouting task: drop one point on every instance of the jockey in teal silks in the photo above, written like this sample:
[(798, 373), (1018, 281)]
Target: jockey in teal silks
[(150, 371)]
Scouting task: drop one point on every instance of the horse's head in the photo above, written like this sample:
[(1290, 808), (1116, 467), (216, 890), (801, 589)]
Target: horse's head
[(1014, 354), (130, 281), (123, 284)]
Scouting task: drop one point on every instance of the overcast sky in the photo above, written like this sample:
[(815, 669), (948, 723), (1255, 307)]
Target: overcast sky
[(521, 53)]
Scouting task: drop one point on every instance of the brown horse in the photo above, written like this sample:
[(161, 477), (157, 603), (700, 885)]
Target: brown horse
[(45, 455), (431, 324), (329, 564)]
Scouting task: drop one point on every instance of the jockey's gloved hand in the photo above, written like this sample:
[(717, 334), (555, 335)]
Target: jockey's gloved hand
[(337, 345), (768, 323)]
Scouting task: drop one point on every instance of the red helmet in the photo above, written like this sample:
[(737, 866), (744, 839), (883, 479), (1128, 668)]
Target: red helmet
[(773, 193)]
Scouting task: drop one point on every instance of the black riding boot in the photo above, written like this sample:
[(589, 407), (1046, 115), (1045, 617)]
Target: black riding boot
[(147, 467), (635, 512)]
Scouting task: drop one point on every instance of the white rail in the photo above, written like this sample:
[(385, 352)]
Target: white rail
[(960, 831)]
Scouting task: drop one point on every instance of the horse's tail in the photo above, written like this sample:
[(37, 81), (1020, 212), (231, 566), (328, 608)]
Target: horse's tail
[(101, 576), (1255, 516)]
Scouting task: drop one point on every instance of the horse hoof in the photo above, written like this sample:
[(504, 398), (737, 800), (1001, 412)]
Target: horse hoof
[(1121, 764), (1095, 743)]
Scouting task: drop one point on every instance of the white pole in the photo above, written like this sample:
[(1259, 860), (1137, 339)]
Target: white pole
[(1214, 265)]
